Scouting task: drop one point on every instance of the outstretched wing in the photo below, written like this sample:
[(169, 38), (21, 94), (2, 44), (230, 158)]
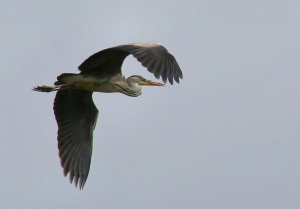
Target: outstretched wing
[(76, 116), (153, 56)]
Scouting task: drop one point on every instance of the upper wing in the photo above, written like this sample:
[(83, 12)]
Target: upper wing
[(76, 116), (153, 56)]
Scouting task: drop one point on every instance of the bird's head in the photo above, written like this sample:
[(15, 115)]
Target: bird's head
[(134, 85), (141, 81)]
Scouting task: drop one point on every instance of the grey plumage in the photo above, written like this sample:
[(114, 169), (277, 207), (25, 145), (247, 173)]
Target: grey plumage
[(75, 111), (153, 56), (76, 116)]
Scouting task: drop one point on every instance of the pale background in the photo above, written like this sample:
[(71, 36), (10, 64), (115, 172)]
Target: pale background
[(227, 137)]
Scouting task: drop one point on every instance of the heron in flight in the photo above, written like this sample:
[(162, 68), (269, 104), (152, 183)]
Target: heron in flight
[(75, 111)]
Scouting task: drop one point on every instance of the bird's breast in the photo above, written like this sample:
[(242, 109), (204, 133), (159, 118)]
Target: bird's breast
[(95, 84), (106, 87)]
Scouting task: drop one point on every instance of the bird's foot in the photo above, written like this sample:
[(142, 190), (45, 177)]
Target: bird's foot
[(46, 88)]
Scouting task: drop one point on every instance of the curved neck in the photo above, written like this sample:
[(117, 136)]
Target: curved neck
[(134, 89), (130, 89)]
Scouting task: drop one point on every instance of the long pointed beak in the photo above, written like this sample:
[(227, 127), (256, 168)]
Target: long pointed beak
[(152, 83)]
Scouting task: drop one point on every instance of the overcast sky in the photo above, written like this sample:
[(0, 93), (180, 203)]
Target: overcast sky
[(226, 137)]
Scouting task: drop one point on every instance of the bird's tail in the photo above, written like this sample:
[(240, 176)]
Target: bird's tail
[(67, 78)]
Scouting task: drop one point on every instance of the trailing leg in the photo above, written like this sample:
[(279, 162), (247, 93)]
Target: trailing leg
[(45, 88)]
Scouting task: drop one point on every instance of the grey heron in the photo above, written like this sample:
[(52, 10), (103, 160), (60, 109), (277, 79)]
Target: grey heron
[(75, 111)]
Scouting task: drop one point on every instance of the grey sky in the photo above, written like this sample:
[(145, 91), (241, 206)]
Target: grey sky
[(227, 137)]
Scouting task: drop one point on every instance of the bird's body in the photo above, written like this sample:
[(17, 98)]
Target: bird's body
[(105, 84), (74, 109)]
